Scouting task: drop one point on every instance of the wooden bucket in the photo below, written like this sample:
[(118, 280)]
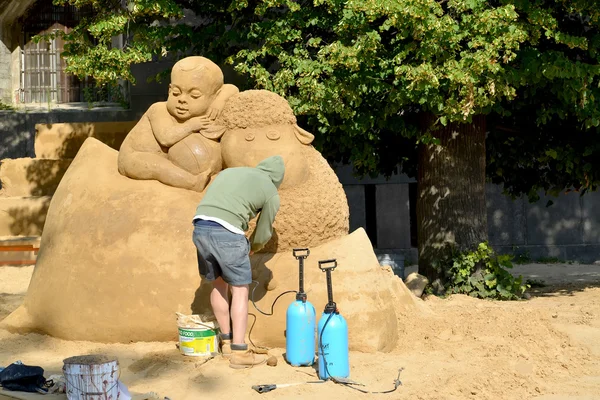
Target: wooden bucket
[(91, 377)]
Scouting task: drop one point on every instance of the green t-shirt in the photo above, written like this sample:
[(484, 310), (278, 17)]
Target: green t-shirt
[(238, 194)]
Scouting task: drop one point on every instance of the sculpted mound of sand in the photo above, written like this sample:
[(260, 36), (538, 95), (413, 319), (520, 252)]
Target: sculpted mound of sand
[(117, 261)]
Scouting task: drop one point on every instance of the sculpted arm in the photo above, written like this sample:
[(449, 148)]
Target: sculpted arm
[(227, 90), (167, 136)]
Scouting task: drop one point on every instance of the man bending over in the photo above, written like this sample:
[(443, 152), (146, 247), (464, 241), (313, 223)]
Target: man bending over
[(235, 197)]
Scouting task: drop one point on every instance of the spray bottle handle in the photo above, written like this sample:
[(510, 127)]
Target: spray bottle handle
[(327, 262), (301, 253), (332, 264)]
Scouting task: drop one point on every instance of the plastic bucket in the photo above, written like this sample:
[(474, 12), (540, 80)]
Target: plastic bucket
[(197, 338), (91, 377)]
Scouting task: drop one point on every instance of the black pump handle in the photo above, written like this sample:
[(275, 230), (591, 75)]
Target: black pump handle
[(301, 255), (326, 262), (331, 306), (297, 254)]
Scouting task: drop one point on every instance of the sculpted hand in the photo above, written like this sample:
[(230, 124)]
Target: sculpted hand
[(215, 109), (196, 124)]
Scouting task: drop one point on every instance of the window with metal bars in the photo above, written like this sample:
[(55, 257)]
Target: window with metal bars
[(43, 77)]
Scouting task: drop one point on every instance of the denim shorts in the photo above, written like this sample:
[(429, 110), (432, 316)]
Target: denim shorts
[(222, 253)]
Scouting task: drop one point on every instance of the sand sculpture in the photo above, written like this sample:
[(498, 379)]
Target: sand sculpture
[(259, 124), (175, 141), (116, 259)]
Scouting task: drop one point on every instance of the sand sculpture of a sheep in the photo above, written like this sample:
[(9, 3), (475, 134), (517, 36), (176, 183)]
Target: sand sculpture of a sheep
[(258, 124)]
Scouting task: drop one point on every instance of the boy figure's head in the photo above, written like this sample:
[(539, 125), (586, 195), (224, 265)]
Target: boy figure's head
[(195, 82)]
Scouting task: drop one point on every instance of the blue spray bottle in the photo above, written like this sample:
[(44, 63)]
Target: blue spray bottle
[(334, 360), (300, 322)]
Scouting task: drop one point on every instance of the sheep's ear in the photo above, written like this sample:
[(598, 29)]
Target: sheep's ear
[(213, 131), (303, 136)]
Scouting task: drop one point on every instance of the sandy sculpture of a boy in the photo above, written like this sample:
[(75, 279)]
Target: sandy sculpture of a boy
[(176, 142)]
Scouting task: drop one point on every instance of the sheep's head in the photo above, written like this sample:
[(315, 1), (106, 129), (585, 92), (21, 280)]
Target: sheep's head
[(259, 124)]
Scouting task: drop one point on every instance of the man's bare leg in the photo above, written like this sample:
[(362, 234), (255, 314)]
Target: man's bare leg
[(220, 304), (239, 313), (241, 357)]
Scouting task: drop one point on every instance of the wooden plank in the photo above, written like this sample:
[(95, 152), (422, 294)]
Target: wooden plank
[(22, 247), (17, 262)]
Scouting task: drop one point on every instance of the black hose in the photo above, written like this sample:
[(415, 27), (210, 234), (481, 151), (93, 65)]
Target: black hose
[(397, 381), (272, 305), (262, 312)]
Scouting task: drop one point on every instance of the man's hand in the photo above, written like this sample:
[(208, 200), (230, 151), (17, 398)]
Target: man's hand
[(251, 252)]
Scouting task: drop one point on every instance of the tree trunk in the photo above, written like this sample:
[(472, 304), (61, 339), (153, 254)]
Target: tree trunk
[(451, 206)]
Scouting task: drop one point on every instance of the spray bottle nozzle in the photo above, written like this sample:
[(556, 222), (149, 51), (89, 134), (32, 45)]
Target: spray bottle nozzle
[(301, 253), (301, 296), (331, 308)]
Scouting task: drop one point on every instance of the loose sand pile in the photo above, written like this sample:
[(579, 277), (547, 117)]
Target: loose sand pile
[(458, 348)]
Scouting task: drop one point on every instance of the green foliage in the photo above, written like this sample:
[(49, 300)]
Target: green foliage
[(89, 47), (546, 139), (358, 73), (483, 273), (6, 107), (337, 62), (109, 92)]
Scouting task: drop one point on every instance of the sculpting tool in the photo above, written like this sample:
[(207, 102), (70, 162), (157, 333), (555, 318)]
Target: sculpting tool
[(268, 387)]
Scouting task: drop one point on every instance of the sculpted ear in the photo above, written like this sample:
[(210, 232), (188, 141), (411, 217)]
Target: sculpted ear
[(213, 131), (303, 136)]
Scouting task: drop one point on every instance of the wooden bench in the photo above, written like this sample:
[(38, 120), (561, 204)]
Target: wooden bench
[(19, 248)]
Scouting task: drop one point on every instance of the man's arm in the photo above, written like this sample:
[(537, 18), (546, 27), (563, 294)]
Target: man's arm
[(264, 226)]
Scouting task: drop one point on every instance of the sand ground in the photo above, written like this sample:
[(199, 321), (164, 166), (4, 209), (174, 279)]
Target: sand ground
[(547, 348)]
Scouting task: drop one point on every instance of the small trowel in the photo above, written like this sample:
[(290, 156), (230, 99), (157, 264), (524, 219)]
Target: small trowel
[(268, 387)]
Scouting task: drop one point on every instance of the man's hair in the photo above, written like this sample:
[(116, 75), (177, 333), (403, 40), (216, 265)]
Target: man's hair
[(255, 109)]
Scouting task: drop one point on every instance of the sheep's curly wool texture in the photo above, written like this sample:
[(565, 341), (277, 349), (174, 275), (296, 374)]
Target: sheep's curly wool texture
[(312, 213), (256, 108)]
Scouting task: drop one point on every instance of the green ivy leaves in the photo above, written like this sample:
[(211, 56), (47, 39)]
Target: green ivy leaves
[(483, 273)]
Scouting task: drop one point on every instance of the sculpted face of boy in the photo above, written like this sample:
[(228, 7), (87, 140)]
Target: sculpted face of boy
[(194, 86)]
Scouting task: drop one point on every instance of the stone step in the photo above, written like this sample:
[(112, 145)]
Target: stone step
[(23, 216), (24, 177), (18, 240), (18, 250), (63, 140)]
